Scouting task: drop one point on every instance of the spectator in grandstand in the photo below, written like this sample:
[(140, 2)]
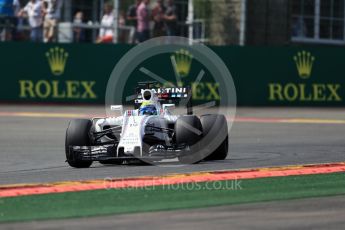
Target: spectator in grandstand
[(52, 9), (17, 21), (16, 8), (106, 33), (19, 33), (158, 12), (132, 19), (132, 13), (34, 11), (122, 36), (16, 4), (170, 18), (78, 33), (122, 19), (6, 19), (143, 15)]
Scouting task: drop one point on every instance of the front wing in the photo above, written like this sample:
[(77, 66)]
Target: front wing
[(108, 152)]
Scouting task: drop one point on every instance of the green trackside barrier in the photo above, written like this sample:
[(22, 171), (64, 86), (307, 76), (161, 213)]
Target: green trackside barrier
[(263, 76)]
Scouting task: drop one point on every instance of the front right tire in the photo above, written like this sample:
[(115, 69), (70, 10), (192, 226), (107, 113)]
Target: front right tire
[(215, 130)]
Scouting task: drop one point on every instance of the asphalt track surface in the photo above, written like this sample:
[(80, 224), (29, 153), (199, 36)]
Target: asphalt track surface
[(32, 151), (311, 213), (32, 146)]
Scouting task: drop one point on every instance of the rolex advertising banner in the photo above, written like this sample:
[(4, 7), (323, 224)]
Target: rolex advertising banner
[(56, 73), (287, 76), (263, 76)]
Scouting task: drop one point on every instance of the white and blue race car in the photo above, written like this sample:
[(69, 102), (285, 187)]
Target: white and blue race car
[(150, 133)]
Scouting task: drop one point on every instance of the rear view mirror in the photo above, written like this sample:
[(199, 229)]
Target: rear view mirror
[(117, 110)]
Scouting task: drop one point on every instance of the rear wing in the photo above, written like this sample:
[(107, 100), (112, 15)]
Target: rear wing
[(170, 95)]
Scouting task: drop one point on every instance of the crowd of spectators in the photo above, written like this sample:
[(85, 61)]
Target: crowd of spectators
[(42, 16), (160, 20), (162, 15)]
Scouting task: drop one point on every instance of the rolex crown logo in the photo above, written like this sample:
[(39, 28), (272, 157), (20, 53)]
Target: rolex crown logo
[(182, 60), (57, 58), (304, 63)]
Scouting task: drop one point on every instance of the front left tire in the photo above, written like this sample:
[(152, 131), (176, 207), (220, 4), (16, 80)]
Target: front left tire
[(77, 134)]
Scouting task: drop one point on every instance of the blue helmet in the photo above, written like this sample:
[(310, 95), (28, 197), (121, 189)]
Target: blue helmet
[(148, 110)]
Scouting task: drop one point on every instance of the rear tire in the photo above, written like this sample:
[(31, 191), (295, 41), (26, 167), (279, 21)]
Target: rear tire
[(77, 134), (215, 126), (188, 130)]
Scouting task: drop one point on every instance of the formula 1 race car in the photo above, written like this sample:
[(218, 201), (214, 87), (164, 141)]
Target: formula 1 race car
[(150, 133)]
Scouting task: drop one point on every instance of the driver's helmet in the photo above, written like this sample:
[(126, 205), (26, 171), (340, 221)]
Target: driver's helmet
[(147, 109)]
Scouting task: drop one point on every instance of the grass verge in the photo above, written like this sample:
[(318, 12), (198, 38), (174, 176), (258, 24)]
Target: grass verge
[(168, 197)]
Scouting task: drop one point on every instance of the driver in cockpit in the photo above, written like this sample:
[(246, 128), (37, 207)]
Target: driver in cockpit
[(148, 108)]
